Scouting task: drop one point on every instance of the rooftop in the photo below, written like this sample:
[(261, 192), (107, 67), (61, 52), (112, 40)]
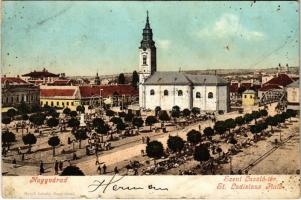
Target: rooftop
[(41, 74)]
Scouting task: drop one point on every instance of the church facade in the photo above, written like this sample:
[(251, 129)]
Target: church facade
[(167, 89)]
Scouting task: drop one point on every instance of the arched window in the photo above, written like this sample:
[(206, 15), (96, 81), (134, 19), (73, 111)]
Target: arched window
[(152, 92), (180, 93), (198, 95), (210, 95), (165, 92), (144, 60)]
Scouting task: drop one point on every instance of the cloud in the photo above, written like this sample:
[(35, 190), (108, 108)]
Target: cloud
[(229, 26), (164, 44)]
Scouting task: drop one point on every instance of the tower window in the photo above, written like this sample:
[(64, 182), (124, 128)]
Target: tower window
[(180, 93), (165, 92), (152, 92), (210, 95), (198, 95), (144, 60)]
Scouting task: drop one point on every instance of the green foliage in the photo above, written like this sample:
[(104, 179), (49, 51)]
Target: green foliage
[(239, 120), (72, 171), (248, 118), (11, 113), (23, 108), (121, 114), (73, 113), (121, 79), (186, 112), (150, 120), (154, 149), (67, 111), (37, 119), (135, 79), (230, 123), (116, 120), (110, 113), (73, 122), (157, 110), (121, 126), (208, 132), (163, 116), (128, 117), (102, 129), (138, 122), (52, 122), (6, 120), (175, 143), (97, 122), (263, 113), (8, 137), (201, 153), (54, 141), (25, 117), (195, 110), (29, 139), (194, 137), (80, 109), (220, 127)]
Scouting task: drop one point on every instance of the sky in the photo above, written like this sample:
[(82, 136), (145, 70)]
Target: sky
[(82, 38)]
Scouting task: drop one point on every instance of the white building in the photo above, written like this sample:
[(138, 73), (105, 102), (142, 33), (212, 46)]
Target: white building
[(293, 101), (167, 89)]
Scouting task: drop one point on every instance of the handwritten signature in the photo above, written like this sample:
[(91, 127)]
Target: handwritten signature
[(103, 185)]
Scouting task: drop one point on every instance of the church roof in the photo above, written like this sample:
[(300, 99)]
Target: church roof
[(180, 78)]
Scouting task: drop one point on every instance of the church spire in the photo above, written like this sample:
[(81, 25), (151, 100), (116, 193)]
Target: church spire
[(147, 40)]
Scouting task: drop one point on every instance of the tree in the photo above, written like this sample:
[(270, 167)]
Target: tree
[(11, 113), (120, 126), (263, 113), (67, 111), (73, 123), (220, 127), (52, 112), (52, 122), (73, 113), (163, 116), (23, 108), (102, 129), (239, 121), (201, 153), (25, 117), (175, 143), (6, 121), (37, 119), (175, 112), (154, 149), (208, 132), (272, 122), (80, 135), (157, 110), (54, 141), (122, 114), (116, 120), (255, 115), (80, 109), (241, 90), (230, 123), (248, 118), (35, 108), (8, 138), (138, 122), (255, 129), (150, 120), (291, 113), (135, 79), (121, 79), (110, 113), (72, 171), (186, 112), (195, 111), (194, 137), (29, 139), (97, 122), (128, 117)]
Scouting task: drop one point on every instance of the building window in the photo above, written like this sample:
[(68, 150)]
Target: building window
[(165, 92), (57, 103), (41, 103), (198, 95), (46, 103), (245, 96), (12, 99), (251, 97), (72, 103), (63, 104), (17, 98), (51, 103), (210, 95), (152, 92), (22, 98), (144, 60), (180, 93), (67, 103)]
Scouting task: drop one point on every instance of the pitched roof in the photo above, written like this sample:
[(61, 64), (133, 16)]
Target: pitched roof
[(249, 92), (281, 79), (13, 80), (180, 78), (269, 87), (41, 74), (107, 90), (57, 92), (294, 84)]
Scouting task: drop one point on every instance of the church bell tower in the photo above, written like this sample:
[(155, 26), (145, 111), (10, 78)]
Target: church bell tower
[(147, 53)]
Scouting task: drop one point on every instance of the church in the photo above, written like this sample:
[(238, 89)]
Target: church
[(170, 88)]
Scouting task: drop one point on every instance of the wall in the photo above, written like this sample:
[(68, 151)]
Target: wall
[(61, 103), (248, 99)]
